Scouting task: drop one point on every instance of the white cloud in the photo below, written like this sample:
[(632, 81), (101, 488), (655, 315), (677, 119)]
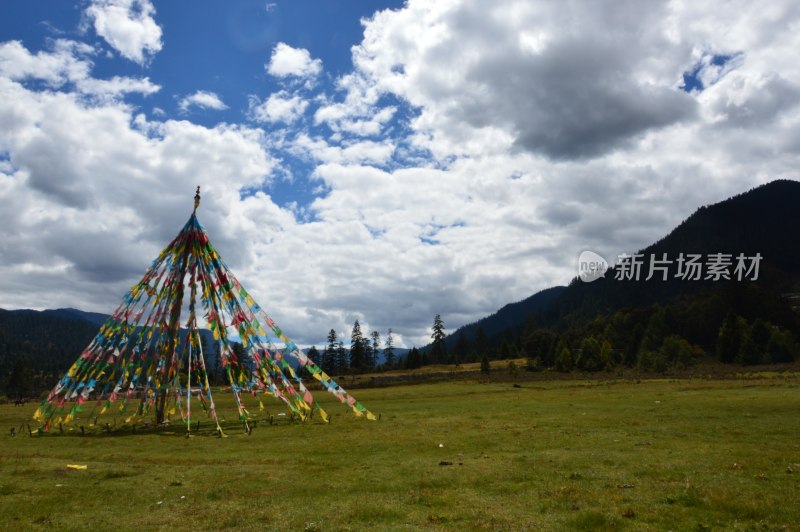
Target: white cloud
[(362, 121), (67, 62), (127, 26), (88, 199), (279, 107), (202, 99), (292, 62), (117, 86), (365, 152), (581, 91)]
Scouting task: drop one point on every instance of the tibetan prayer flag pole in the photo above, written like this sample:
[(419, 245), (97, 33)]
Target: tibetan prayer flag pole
[(141, 353)]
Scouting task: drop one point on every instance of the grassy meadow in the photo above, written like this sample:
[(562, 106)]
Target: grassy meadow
[(689, 454)]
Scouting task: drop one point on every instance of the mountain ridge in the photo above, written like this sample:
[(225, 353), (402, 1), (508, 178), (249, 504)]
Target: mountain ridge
[(758, 221)]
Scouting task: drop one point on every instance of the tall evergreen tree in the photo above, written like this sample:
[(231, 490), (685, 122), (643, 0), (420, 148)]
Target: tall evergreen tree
[(388, 350), (369, 357), (438, 349), (356, 348), (341, 359), (413, 359), (376, 348), (329, 355), (331, 341)]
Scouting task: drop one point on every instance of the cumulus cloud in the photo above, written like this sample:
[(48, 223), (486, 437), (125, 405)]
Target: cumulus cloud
[(287, 61), (89, 199), (127, 26), (356, 152), (203, 100), (279, 107), (117, 86), (67, 63), (564, 80)]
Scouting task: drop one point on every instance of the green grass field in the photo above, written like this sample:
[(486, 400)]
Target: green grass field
[(692, 454)]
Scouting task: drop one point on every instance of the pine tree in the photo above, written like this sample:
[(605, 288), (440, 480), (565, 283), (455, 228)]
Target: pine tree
[(329, 355), (413, 359), (438, 349), (388, 350), (356, 348), (376, 348), (369, 356), (341, 358), (331, 341)]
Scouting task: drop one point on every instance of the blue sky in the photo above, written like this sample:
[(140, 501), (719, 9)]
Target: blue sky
[(379, 161), (218, 47)]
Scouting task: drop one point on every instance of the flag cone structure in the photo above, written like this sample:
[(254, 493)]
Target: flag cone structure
[(147, 360)]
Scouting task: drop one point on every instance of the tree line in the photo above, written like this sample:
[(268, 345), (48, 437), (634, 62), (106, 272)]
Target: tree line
[(746, 326), (363, 355)]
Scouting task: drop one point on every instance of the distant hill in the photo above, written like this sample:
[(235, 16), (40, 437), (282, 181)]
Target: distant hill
[(48, 341), (509, 319), (94, 318)]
